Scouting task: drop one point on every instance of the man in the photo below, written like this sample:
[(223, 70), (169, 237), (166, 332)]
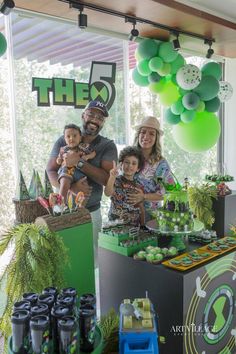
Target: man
[(96, 170)]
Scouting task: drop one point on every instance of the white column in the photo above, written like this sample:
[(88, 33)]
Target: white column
[(230, 122), (126, 92), (11, 91)]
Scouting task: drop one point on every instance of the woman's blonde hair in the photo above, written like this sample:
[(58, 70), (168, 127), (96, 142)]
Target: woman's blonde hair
[(156, 153)]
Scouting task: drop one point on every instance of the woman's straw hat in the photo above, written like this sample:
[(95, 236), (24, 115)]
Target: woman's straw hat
[(150, 122)]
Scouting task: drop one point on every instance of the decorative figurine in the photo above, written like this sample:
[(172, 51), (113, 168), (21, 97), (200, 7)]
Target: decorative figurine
[(22, 191), (70, 201), (47, 186), (79, 199), (44, 203), (32, 186), (56, 202), (39, 186), (223, 189), (186, 183)]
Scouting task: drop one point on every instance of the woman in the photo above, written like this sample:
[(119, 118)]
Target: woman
[(147, 138)]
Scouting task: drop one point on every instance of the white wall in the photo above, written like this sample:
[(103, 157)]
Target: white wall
[(230, 122)]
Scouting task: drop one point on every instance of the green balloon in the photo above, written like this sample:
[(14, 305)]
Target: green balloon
[(154, 77), (157, 87), (182, 91), (155, 63), (177, 64), (213, 105), (139, 79), (190, 100), (213, 69), (169, 94), (177, 107), (208, 88), (148, 48), (171, 118), (136, 55), (188, 116), (200, 107), (3, 44), (167, 53), (173, 79), (199, 135), (165, 69), (143, 67)]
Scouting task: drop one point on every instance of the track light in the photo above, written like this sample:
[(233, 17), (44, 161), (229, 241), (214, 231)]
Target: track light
[(77, 4), (175, 42), (7, 6), (82, 19), (210, 51), (134, 33)]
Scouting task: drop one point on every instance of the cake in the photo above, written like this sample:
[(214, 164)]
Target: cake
[(175, 216)]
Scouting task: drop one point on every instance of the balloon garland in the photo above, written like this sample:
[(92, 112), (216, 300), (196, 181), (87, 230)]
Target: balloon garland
[(191, 95)]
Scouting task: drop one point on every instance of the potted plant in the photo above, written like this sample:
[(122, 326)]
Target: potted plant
[(38, 257), (200, 201)]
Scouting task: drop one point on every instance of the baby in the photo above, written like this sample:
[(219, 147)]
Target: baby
[(70, 174)]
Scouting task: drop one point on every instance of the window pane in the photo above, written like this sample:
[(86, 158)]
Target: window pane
[(6, 147), (46, 48)]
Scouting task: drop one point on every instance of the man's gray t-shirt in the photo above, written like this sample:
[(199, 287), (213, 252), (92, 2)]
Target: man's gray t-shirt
[(105, 151)]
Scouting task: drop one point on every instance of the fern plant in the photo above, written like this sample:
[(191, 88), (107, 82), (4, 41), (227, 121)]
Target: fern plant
[(109, 325), (37, 261), (201, 200), (232, 231)]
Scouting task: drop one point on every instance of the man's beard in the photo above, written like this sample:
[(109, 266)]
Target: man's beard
[(88, 131)]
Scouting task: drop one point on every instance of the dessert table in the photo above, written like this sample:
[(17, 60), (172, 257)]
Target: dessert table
[(196, 307)]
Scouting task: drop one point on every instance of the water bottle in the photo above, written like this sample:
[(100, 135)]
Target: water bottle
[(68, 335), (71, 292), (88, 299), (39, 309), (65, 300), (87, 322), (51, 290), (46, 299), (22, 305), (39, 332), (58, 311), (20, 331), (31, 297)]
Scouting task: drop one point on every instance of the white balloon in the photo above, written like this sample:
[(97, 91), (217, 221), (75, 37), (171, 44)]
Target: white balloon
[(188, 77), (226, 91)]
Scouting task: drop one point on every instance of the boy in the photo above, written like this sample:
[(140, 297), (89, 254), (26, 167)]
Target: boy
[(119, 185), (68, 175)]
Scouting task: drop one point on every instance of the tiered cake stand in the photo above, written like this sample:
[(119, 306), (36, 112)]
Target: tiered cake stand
[(176, 237)]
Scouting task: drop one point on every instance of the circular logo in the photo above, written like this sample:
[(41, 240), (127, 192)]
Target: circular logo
[(99, 91), (218, 314)]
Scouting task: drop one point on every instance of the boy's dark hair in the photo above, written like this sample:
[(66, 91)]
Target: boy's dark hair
[(132, 151), (71, 126)]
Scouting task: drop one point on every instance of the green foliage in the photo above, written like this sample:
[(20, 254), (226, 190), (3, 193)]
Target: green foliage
[(37, 261), (200, 200), (109, 326), (232, 231)]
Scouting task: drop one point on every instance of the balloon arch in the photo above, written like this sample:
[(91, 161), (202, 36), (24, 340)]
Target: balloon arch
[(191, 95)]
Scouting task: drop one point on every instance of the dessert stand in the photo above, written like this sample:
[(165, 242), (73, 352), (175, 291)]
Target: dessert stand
[(176, 237)]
